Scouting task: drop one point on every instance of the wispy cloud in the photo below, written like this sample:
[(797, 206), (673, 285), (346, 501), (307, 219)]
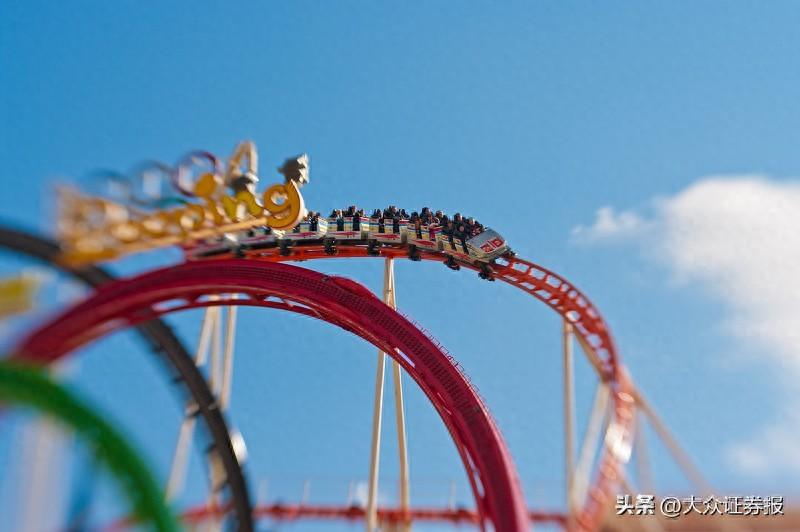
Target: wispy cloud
[(609, 225), (739, 238)]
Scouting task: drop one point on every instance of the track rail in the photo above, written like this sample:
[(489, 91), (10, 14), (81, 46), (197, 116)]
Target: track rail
[(499, 500), (29, 386), (564, 298), (386, 515), (163, 342)]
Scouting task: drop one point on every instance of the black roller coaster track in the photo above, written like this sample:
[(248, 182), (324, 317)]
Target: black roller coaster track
[(169, 349)]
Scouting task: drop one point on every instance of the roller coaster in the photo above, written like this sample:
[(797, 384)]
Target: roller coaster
[(236, 247)]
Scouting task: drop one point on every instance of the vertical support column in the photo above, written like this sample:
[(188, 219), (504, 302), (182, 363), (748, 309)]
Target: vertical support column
[(177, 473), (377, 415), (227, 359), (220, 378), (597, 422), (375, 449), (214, 373), (569, 411), (180, 456), (400, 417)]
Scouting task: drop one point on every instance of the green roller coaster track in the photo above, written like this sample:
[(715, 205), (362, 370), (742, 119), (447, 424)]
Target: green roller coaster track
[(25, 385)]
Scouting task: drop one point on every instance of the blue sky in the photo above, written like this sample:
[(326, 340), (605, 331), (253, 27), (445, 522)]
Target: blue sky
[(530, 117)]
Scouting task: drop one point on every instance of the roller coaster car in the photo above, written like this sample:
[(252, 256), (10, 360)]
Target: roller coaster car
[(307, 230), (487, 246), (479, 250), (344, 229), (387, 230), (212, 246), (255, 238), (453, 246), (422, 237), (258, 238), (347, 229)]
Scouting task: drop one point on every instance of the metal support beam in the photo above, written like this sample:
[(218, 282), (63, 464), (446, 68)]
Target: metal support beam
[(214, 373), (402, 449), (591, 438), (591, 356), (377, 415), (177, 474), (375, 449), (400, 417), (569, 411), (215, 383), (644, 409), (683, 460), (227, 359)]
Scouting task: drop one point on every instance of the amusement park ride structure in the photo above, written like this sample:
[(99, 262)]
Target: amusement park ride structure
[(250, 236)]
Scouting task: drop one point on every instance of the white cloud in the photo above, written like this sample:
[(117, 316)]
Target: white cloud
[(739, 238), (609, 225)]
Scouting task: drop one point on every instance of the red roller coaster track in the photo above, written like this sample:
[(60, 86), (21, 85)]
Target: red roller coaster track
[(338, 301), (574, 307)]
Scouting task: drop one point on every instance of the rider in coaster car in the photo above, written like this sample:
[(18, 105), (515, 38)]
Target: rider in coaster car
[(458, 224), (468, 226), (357, 214), (313, 218), (426, 215), (418, 223), (376, 214), (394, 214), (462, 233), (477, 228), (339, 217), (448, 228)]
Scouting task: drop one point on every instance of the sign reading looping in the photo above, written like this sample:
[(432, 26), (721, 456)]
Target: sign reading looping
[(93, 228)]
